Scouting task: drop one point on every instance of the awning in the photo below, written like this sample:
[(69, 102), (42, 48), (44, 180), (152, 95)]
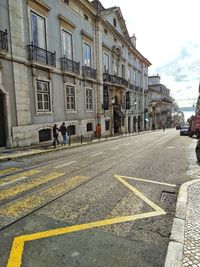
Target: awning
[(119, 113)]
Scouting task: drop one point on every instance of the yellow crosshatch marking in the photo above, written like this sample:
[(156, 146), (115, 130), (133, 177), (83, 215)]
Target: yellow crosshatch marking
[(18, 244)]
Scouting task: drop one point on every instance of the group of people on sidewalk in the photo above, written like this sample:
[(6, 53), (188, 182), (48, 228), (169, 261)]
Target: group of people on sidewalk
[(64, 132)]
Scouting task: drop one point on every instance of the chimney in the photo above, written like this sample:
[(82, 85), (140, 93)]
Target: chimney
[(133, 40)]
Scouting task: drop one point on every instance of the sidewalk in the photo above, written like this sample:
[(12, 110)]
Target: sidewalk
[(15, 153), (184, 247)]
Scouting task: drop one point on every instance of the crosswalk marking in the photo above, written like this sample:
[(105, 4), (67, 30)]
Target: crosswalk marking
[(15, 209), (24, 186), (65, 164), (16, 177), (96, 154)]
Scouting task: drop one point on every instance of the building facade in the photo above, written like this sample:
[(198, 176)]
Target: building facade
[(69, 61), (160, 104)]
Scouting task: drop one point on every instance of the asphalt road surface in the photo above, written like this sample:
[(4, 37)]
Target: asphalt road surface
[(110, 203)]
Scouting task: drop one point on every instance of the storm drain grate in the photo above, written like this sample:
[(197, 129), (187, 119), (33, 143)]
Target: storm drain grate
[(168, 197)]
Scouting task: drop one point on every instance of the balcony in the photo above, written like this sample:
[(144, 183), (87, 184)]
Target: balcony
[(4, 40), (41, 55), (89, 72), (107, 77), (70, 65), (114, 79), (131, 86)]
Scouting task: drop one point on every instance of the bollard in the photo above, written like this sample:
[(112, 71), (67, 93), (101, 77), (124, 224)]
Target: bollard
[(69, 140), (81, 138)]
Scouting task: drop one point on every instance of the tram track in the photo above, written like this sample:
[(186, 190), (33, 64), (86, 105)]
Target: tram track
[(35, 190)]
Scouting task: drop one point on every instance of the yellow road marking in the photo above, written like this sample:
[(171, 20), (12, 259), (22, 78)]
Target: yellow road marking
[(29, 203), (22, 187), (147, 181), (15, 177), (18, 244), (6, 171)]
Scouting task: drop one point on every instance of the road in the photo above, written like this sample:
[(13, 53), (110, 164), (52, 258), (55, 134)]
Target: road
[(106, 204)]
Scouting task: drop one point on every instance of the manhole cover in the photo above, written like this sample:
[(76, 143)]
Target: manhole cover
[(168, 197)]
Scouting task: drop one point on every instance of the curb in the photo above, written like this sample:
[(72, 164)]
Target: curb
[(174, 255), (32, 153)]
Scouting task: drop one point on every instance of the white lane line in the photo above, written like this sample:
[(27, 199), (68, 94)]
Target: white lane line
[(127, 144), (12, 182), (65, 164), (114, 148), (170, 147), (96, 154), (149, 181)]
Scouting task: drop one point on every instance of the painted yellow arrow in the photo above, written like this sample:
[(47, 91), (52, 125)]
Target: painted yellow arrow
[(18, 244)]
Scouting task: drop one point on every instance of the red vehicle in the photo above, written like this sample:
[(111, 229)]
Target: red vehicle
[(194, 126)]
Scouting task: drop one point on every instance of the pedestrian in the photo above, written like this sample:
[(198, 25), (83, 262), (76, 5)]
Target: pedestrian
[(55, 135), (98, 131), (64, 132), (163, 126)]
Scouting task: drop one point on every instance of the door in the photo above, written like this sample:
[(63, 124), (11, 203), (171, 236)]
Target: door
[(2, 122)]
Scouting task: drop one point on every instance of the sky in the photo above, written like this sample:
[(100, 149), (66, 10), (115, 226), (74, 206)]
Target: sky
[(168, 35)]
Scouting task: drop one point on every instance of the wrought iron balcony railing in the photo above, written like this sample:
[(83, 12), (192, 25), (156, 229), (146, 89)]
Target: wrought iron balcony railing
[(4, 40), (70, 65), (41, 55), (89, 72), (114, 79), (107, 77)]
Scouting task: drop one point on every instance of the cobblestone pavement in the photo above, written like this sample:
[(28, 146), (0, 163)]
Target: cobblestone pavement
[(191, 248)]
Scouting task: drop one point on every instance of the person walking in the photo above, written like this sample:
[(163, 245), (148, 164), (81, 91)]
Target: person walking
[(64, 132), (55, 135), (98, 131)]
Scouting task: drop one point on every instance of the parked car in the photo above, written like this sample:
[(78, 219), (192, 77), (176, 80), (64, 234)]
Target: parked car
[(184, 130), (198, 150)]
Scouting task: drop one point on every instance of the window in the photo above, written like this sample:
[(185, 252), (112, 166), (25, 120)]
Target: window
[(87, 54), (72, 129), (105, 31), (123, 71), (43, 96), (106, 62), (105, 98), (44, 135), (89, 102), (129, 76), (38, 30), (114, 22), (107, 125), (89, 127), (67, 45), (70, 97), (86, 17)]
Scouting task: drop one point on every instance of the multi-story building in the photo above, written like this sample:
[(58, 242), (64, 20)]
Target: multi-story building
[(160, 103), (67, 60)]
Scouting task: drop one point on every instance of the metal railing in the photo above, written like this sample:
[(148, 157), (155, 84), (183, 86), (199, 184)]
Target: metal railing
[(70, 65), (89, 72), (114, 79), (41, 55), (4, 40)]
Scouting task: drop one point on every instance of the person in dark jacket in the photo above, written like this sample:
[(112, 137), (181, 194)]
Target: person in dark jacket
[(64, 132), (55, 135)]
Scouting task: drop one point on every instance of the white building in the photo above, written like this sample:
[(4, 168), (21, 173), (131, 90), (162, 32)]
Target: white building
[(69, 61)]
